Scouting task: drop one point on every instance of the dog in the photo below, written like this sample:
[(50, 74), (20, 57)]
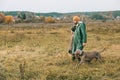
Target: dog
[(89, 56)]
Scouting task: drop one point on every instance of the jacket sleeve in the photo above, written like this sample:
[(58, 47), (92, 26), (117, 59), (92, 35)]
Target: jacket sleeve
[(84, 33)]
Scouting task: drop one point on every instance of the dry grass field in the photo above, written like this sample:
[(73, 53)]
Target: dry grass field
[(37, 51)]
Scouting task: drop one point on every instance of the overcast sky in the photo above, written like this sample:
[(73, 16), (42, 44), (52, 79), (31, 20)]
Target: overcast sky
[(62, 6)]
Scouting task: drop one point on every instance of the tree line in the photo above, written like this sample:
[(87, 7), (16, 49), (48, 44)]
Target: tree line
[(26, 16)]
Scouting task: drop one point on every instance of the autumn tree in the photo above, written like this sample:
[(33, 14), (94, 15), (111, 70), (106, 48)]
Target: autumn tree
[(50, 19)]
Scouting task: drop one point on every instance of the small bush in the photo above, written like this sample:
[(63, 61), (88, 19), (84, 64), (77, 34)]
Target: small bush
[(50, 20)]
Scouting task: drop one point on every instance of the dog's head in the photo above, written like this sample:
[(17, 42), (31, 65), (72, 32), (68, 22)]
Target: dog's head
[(79, 53)]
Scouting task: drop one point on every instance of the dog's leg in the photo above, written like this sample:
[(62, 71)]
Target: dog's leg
[(82, 60), (100, 59), (88, 61)]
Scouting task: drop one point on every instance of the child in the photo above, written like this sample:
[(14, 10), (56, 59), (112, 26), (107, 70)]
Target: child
[(78, 37)]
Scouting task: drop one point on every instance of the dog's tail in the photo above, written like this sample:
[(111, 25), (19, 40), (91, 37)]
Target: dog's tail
[(102, 50)]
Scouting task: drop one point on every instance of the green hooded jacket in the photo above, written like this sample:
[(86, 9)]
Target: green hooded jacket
[(80, 37)]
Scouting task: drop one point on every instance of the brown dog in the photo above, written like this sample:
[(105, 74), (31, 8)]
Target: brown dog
[(89, 56)]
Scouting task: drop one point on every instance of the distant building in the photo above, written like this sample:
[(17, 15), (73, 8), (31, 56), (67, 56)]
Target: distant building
[(118, 18)]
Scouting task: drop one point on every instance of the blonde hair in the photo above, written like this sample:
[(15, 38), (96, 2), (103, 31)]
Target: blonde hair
[(76, 18)]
